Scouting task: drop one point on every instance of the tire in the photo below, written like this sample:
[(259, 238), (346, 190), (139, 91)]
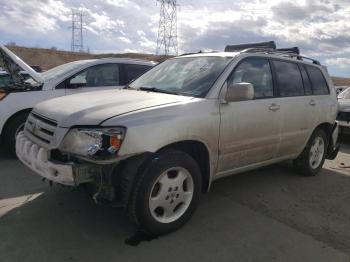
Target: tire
[(12, 128), (311, 160), (158, 204)]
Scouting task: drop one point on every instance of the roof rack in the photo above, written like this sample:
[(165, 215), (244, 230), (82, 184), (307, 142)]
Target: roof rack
[(240, 47), (269, 48), (293, 52)]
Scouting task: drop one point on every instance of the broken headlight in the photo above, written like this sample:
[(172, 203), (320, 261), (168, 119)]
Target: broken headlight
[(99, 143)]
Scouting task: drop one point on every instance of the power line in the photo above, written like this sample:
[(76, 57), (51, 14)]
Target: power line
[(167, 29), (77, 44)]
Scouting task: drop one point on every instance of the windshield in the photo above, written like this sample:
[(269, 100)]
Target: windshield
[(184, 76), (345, 94), (62, 69)]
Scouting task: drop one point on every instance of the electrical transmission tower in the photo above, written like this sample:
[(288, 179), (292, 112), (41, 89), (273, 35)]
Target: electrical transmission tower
[(167, 30), (77, 44)]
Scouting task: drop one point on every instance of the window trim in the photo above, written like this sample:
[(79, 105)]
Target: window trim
[(277, 83), (272, 76), (324, 78), (301, 66)]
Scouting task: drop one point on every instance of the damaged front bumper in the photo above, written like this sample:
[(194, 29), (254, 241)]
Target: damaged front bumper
[(38, 159)]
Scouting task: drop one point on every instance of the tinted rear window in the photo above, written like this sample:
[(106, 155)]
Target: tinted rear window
[(289, 79), (319, 84)]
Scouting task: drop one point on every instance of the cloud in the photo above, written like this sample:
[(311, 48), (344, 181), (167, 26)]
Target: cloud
[(20, 17), (319, 27), (125, 40), (340, 62)]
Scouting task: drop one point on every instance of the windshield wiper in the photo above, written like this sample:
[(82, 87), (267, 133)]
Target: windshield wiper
[(158, 90)]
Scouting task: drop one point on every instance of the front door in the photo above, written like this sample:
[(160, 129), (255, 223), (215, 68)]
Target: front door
[(249, 130)]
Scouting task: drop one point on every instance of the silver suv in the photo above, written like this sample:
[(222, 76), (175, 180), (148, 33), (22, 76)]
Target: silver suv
[(157, 145)]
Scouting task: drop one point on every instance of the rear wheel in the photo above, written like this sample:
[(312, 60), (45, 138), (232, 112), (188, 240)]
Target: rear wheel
[(166, 194), (11, 130), (312, 158)]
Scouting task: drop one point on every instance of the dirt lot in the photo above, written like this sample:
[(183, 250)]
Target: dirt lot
[(271, 214)]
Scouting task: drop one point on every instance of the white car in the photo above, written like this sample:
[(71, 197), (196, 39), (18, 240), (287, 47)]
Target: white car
[(19, 97), (343, 117)]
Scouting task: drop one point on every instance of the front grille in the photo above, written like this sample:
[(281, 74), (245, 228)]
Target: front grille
[(41, 127)]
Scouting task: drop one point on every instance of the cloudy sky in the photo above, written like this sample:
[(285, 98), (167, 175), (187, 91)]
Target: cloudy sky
[(321, 28)]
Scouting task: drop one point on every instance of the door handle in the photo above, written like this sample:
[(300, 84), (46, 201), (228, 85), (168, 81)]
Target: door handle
[(274, 107), (312, 102)]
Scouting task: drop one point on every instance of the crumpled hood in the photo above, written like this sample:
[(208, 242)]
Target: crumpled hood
[(93, 108), (344, 105)]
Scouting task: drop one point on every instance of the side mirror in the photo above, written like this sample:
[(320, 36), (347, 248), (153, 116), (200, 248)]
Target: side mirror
[(239, 92), (77, 82)]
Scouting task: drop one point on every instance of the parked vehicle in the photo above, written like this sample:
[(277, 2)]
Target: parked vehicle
[(157, 146), (339, 89), (20, 95), (344, 111)]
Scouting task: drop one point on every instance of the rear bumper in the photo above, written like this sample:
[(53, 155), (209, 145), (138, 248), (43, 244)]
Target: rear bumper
[(37, 159)]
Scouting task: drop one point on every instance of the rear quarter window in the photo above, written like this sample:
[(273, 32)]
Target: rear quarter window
[(318, 81)]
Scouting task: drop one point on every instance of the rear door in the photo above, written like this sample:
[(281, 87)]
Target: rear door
[(296, 103), (325, 104), (249, 130)]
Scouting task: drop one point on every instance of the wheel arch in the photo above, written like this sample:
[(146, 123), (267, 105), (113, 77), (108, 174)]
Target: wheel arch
[(126, 172), (328, 128), (199, 152), (8, 120)]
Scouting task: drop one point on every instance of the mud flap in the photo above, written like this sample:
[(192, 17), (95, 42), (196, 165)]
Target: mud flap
[(333, 147)]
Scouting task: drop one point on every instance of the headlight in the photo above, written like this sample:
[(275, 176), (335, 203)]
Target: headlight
[(96, 143)]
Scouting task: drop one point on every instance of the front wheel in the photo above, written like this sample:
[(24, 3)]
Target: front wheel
[(166, 193), (312, 158)]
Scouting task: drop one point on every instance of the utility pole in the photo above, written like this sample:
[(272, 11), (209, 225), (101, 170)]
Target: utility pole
[(167, 30), (77, 44)]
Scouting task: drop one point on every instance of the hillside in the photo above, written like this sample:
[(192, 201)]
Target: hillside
[(48, 58), (340, 81)]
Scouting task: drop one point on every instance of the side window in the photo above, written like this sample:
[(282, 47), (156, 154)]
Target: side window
[(99, 75), (288, 78), (257, 72), (132, 71), (319, 84), (306, 81)]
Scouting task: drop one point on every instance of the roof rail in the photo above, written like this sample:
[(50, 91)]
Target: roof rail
[(285, 52)]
